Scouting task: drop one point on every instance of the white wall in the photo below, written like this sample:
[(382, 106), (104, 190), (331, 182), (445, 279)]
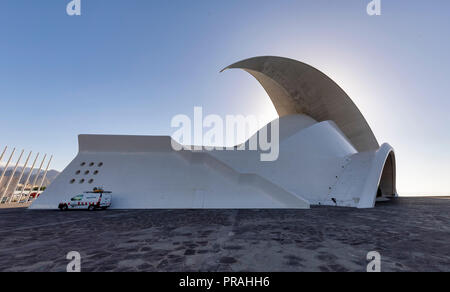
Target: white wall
[(144, 172)]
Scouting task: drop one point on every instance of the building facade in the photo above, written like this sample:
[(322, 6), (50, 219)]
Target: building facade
[(328, 155)]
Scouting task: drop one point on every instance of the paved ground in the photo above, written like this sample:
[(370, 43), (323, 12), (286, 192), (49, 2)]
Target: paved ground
[(411, 234), (14, 205)]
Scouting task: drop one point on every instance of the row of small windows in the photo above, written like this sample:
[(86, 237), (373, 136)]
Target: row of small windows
[(100, 164), (81, 181), (86, 172)]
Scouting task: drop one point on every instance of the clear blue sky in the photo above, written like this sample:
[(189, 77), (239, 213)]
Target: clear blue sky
[(126, 67)]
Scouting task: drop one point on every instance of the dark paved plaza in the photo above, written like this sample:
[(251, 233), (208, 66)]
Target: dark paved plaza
[(411, 234)]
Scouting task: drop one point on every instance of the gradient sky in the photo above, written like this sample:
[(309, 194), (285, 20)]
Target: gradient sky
[(127, 67)]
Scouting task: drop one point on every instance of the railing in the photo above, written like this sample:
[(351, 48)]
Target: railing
[(12, 192)]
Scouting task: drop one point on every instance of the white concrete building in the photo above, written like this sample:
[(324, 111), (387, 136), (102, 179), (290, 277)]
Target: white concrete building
[(328, 155)]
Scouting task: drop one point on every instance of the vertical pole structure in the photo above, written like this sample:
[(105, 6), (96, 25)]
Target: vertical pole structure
[(36, 178), (6, 168), (5, 191), (1, 158), (45, 174), (28, 178), (3, 153), (20, 177)]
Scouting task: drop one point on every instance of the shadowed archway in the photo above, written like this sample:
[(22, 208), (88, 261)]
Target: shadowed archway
[(387, 184)]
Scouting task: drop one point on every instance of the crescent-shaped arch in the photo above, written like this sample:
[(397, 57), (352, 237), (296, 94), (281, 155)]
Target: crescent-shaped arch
[(297, 88)]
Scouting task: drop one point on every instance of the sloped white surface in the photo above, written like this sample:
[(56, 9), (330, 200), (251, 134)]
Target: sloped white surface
[(317, 165)]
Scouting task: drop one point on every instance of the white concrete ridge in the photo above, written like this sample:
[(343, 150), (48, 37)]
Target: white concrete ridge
[(297, 88), (327, 156)]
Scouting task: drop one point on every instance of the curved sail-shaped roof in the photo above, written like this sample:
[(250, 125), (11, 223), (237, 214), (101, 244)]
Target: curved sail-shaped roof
[(297, 88)]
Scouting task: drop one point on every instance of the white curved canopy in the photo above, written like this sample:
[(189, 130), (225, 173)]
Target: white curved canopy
[(297, 88)]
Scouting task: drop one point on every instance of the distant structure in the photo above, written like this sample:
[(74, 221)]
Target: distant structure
[(328, 156), (13, 189)]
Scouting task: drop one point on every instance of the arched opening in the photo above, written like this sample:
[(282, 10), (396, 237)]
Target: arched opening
[(387, 186)]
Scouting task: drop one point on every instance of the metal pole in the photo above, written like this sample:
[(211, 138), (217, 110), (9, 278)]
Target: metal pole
[(45, 174), (28, 178), (11, 177), (3, 153), (6, 168), (20, 177), (36, 178)]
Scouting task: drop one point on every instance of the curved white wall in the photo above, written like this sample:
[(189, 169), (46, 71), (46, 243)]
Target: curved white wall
[(316, 165)]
